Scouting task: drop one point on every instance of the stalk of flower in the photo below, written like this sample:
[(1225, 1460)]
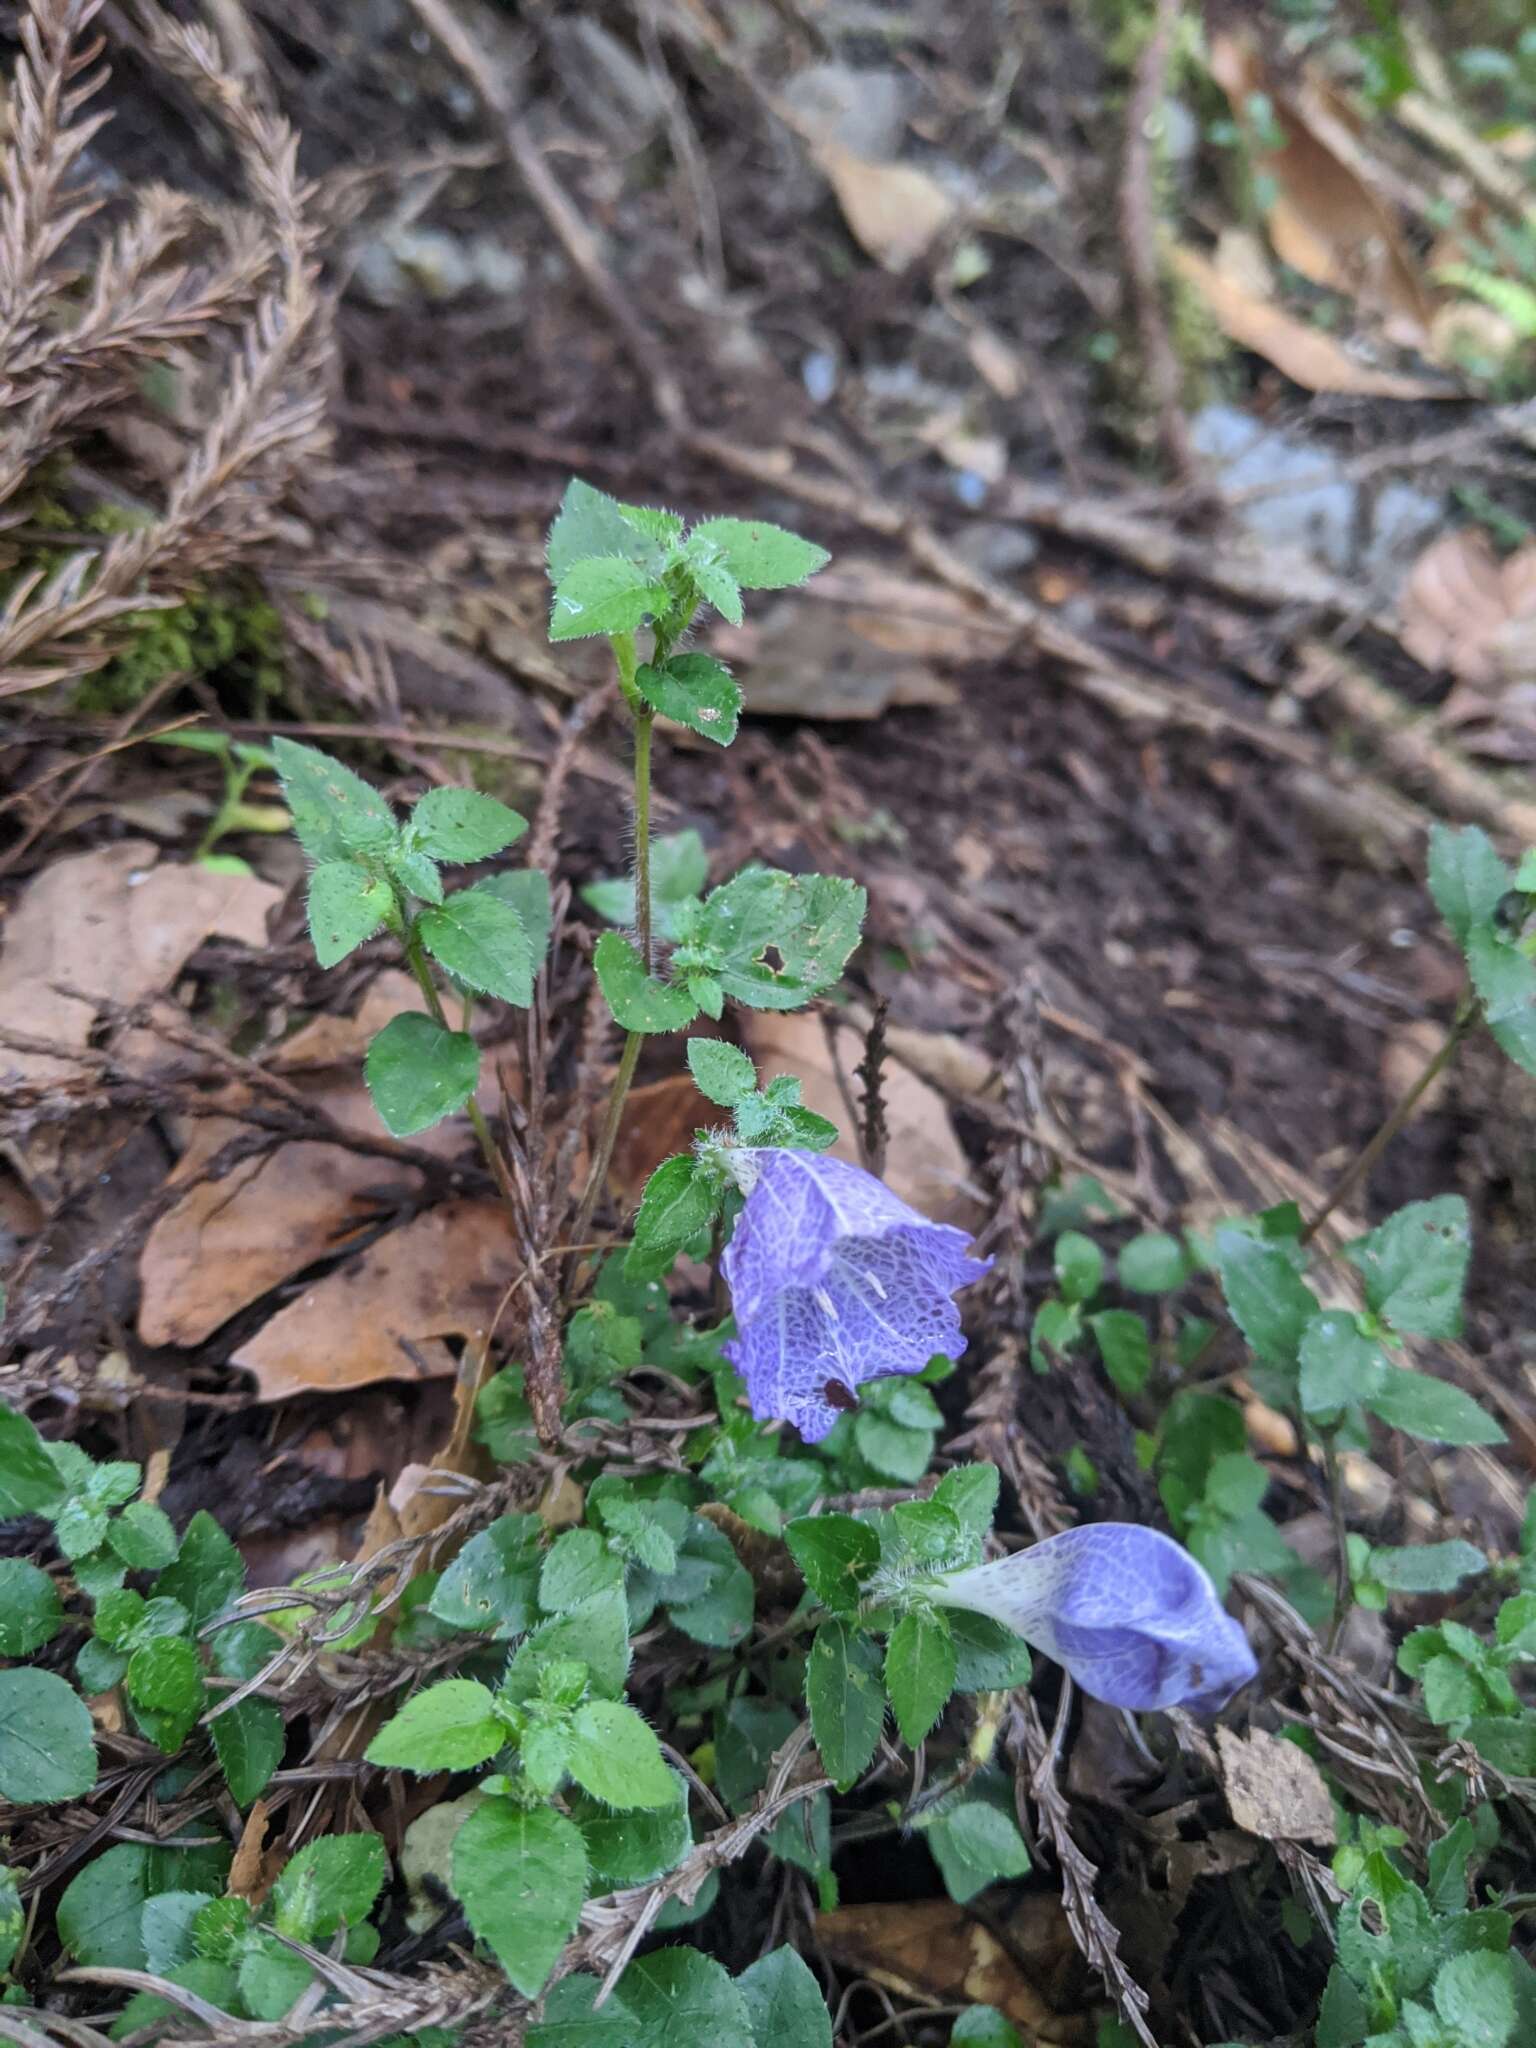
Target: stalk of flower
[(834, 1281), (1127, 1611)]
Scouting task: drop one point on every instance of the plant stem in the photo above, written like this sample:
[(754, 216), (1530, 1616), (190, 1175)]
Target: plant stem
[(1367, 1157), (417, 960), (1343, 1584), (645, 719)]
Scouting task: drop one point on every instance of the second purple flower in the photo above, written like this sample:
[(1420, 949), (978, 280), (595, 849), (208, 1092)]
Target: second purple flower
[(835, 1281)]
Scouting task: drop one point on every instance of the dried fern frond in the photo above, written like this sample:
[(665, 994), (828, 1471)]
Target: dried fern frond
[(271, 414), (39, 210)]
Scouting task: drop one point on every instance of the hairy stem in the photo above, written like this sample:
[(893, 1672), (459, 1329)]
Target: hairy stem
[(1343, 1583), (645, 719), (1367, 1157)]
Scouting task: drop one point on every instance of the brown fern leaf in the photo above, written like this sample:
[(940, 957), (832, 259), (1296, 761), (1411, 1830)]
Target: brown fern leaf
[(39, 209)]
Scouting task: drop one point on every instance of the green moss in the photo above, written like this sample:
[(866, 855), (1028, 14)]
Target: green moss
[(227, 632)]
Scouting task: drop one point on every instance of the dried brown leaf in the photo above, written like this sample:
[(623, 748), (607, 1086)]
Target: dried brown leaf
[(118, 925), (1324, 219), (1309, 358), (935, 1953), (1274, 1789), (1462, 609), (893, 211), (384, 1316), (232, 1240)]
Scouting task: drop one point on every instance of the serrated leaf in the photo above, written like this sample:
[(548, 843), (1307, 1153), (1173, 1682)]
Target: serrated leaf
[(1124, 1349), (521, 1877), (615, 1756), (415, 872), (577, 1565), (1270, 1302), (893, 1449), (208, 1573), (328, 1883), (635, 1847), (760, 556), (785, 2003), (682, 1998), (464, 825), (1339, 1367), (1425, 1567), (721, 1071), (1433, 1409), (30, 1483), (1466, 878), (969, 1492), (31, 1612), (418, 1072), (346, 906), (1415, 1266), (717, 1606), (334, 811), (846, 1699), (717, 586), (835, 1554), (165, 1928), (595, 1634), (678, 1202), (781, 939), (47, 1741), (975, 1844), (166, 1674), (605, 595), (696, 691), (249, 1740), (1079, 1266), (490, 1586), (919, 1674), (448, 1727), (1474, 1994), (527, 890), (1152, 1263), (590, 523), (143, 1536), (481, 941), (639, 1001)]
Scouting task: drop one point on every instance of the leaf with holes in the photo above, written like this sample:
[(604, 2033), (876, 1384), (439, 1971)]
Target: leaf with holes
[(696, 691), (346, 906)]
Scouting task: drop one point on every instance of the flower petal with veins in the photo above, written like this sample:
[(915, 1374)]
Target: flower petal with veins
[(835, 1279), (1126, 1610)]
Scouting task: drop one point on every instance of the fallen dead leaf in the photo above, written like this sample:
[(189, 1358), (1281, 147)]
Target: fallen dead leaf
[(1324, 219), (384, 1315), (893, 211), (251, 1875), (924, 1162), (1466, 611), (811, 662), (935, 1953), (118, 925), (1274, 1790), (1308, 357), (232, 1240)]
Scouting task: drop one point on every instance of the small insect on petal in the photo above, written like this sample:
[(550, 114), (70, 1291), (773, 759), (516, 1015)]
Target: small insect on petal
[(827, 1268), (1126, 1610)]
